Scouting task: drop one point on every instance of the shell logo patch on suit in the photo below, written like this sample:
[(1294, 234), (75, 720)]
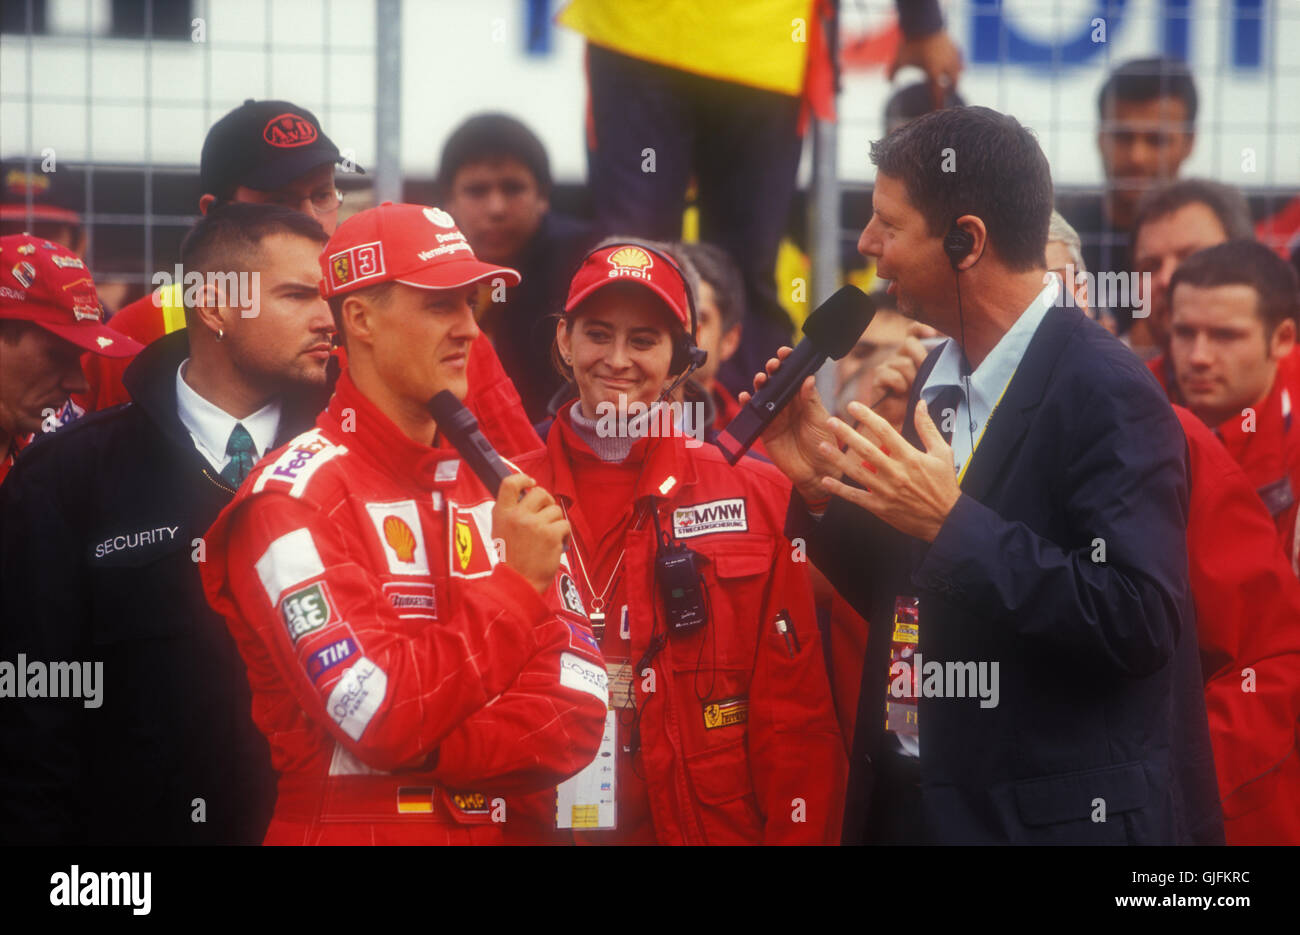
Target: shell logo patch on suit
[(726, 713), (398, 527), (470, 529), (398, 535), (289, 130)]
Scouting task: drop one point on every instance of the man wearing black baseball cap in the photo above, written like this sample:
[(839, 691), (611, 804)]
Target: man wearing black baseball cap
[(263, 152), (275, 152)]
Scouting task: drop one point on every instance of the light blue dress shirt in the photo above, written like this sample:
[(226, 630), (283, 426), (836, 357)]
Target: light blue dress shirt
[(990, 379)]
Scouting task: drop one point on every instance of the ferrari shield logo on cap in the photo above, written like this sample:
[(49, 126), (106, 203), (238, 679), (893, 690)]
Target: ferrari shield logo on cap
[(342, 268)]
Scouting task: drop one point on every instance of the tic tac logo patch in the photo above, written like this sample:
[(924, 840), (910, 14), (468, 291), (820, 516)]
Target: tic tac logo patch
[(726, 713), (329, 657), (470, 554), (714, 516), (398, 527), (289, 130), (357, 264), (306, 610), (570, 596)]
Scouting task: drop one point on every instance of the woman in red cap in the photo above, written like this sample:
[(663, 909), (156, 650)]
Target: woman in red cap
[(721, 727)]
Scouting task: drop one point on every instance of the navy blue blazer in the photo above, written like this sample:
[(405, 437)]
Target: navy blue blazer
[(1100, 694)]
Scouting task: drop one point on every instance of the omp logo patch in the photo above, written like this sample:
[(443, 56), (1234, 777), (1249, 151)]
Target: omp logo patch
[(583, 676), (726, 713), (357, 697), (306, 610), (400, 536), (714, 516)]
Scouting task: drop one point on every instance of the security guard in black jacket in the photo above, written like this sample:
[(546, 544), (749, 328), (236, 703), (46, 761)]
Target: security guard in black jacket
[(152, 740)]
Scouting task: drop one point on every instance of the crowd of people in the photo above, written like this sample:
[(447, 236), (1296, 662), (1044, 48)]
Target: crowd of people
[(316, 624)]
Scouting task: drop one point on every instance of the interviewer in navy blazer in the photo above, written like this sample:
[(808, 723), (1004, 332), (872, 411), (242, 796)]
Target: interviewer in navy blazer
[(1045, 541)]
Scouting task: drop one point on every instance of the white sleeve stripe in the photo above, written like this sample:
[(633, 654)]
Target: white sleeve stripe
[(287, 561)]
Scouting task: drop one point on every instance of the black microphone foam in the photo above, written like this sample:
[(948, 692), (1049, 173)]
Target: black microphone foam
[(458, 425), (831, 331)]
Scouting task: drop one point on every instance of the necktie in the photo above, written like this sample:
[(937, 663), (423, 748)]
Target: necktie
[(943, 411), (242, 454)]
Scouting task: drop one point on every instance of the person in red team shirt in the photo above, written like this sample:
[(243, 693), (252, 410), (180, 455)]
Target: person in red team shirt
[(410, 654), (276, 152), (1233, 351), (723, 732), (49, 316)]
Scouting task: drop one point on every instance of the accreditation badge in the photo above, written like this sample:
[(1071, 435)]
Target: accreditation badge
[(902, 688)]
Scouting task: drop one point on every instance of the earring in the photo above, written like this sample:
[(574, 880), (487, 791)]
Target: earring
[(568, 362), (221, 333)]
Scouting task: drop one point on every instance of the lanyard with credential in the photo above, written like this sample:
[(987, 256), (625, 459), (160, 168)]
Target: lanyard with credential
[(961, 475)]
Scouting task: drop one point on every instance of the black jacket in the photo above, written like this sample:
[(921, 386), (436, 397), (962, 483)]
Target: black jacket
[(102, 523), (1100, 702)]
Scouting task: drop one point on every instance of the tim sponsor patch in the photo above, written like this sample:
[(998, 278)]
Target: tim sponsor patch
[(714, 516), (325, 661), (725, 713), (306, 610), (412, 599)]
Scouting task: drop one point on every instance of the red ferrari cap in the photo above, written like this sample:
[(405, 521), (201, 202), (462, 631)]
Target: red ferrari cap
[(48, 285), (411, 244), (630, 262)]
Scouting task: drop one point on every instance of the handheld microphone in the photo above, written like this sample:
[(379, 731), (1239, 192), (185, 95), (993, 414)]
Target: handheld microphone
[(831, 331), (460, 428)]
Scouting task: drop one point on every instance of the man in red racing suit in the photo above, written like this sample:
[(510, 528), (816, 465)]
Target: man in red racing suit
[(407, 676)]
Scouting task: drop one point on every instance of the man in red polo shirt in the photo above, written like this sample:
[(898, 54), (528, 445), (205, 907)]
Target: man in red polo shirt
[(276, 152), (1232, 338)]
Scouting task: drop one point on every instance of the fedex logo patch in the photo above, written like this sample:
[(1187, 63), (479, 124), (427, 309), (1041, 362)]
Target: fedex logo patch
[(297, 463)]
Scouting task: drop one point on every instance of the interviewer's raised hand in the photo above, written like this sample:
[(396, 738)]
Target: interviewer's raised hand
[(794, 438), (911, 489)]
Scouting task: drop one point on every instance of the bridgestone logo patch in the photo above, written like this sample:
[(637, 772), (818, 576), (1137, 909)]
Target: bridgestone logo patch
[(714, 516)]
